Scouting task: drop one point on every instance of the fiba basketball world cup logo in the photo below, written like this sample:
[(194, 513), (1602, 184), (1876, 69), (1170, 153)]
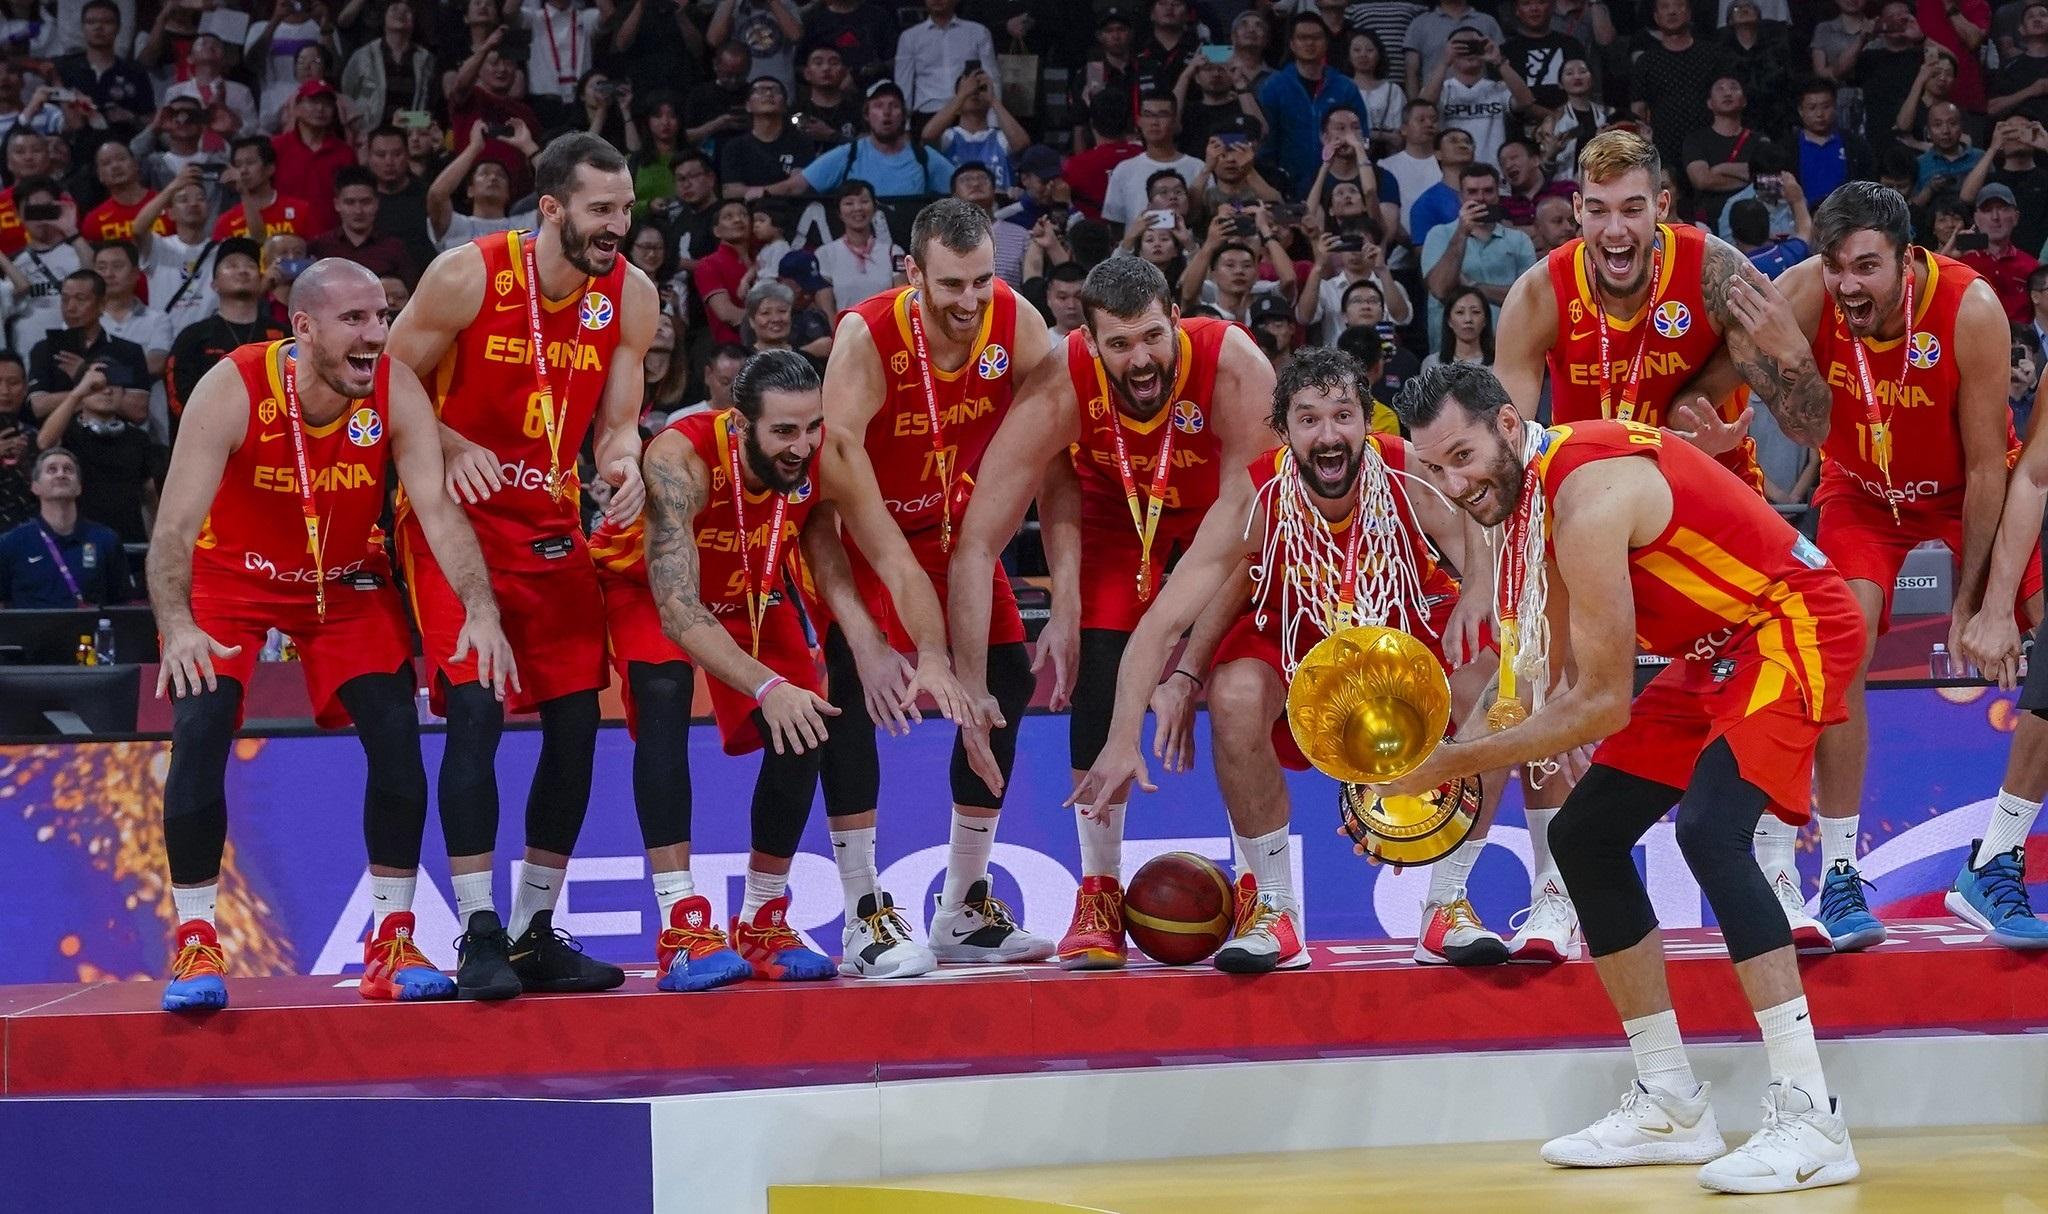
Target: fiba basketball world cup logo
[(595, 311), (1187, 417), (993, 362), (365, 427), (1923, 352), (1673, 319)]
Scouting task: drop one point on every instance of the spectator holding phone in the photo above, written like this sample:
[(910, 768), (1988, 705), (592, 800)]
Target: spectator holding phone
[(227, 106), (117, 88), (1477, 250), (57, 362), (1158, 124), (1345, 162), (1345, 258), (60, 558), (2012, 163), (1223, 273), (2003, 264), (484, 92), (1296, 98), (1215, 98), (49, 223), (392, 73), (490, 192), (931, 55), (119, 465), (1228, 176), (1749, 229), (1477, 90), (974, 128), (17, 442)]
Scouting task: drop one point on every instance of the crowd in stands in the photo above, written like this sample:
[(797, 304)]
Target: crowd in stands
[(1372, 175)]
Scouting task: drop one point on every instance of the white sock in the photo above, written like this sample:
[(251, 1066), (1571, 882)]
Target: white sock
[(195, 902), (1776, 842), (762, 888), (1793, 1053), (390, 894), (1271, 858), (539, 888), (1541, 864), (1102, 843), (1837, 838), (967, 856), (854, 852), (472, 894), (670, 887), (2010, 825), (1447, 876), (1660, 1054)]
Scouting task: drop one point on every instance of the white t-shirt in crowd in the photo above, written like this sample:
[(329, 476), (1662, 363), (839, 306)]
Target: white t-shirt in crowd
[(560, 51), (1124, 200), (41, 314), (1480, 109), (464, 228), (853, 277), (166, 265), (279, 80), (1413, 174)]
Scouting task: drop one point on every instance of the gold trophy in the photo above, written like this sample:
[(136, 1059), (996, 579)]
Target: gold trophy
[(1367, 706)]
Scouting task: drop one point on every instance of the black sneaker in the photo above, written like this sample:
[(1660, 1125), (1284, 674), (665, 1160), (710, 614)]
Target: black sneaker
[(546, 958), (485, 972)]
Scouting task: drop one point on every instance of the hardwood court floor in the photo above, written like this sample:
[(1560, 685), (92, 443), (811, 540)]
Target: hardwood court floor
[(1964, 1170)]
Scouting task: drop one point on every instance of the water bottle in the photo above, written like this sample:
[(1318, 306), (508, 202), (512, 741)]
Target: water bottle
[(273, 646), (423, 705), (1939, 665), (83, 655), (103, 643)]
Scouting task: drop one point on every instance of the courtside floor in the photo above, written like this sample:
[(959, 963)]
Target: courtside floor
[(1989, 1169)]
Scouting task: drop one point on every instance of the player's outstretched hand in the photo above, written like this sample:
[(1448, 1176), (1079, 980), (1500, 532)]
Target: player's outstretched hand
[(1990, 641), (188, 655), (884, 675), (628, 491), (933, 676), (1468, 620), (1173, 723), (1060, 643), (1702, 425), (484, 636), (1109, 781), (1766, 315), (796, 718), (473, 474), (982, 716)]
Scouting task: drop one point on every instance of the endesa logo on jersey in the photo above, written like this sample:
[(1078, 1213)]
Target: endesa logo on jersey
[(523, 475), (914, 505), (595, 312), (256, 562)]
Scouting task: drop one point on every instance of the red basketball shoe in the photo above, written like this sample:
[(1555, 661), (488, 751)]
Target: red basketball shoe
[(776, 953), (1095, 939), (395, 968), (1267, 936)]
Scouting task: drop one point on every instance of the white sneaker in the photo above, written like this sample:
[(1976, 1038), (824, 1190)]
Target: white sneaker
[(1266, 936), (877, 943), (980, 931), (1799, 1147), (1649, 1127), (1453, 935), (1550, 927), (1808, 933)]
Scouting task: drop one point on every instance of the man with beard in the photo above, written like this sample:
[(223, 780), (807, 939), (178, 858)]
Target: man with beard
[(1172, 407), (529, 338), (1646, 537), (269, 519), (1275, 559), (1915, 350), (706, 580), (1633, 322), (919, 379)]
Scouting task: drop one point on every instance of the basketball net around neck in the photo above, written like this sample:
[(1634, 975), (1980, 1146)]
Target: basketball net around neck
[(1303, 557), (1525, 590)]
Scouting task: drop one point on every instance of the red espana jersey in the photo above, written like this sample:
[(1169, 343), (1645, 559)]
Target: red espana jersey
[(13, 236), (1680, 341), (1393, 452), (1923, 428), (1191, 485), (722, 551), (971, 404), (1724, 569), (283, 215), (484, 390), (253, 546)]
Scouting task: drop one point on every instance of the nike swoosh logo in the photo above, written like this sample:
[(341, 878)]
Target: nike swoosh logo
[(519, 956), (2008, 813), (1805, 1174), (841, 845), (35, 560), (960, 935), (541, 888), (380, 897), (1799, 1017), (507, 307), (1582, 336), (1658, 1129), (981, 829), (264, 438), (1276, 851)]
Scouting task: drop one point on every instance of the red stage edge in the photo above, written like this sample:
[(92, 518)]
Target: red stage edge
[(283, 1032)]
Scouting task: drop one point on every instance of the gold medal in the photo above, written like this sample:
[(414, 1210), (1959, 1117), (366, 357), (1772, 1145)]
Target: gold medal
[(1506, 714), (556, 484)]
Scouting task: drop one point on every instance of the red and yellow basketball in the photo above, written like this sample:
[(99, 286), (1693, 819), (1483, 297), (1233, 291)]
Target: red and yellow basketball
[(1177, 908)]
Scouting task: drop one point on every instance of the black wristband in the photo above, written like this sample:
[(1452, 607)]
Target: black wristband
[(1191, 678)]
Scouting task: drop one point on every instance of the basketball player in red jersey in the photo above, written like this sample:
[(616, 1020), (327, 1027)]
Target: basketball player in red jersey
[(1631, 321), (705, 580), (269, 520), (529, 338), (1925, 459), (918, 381), (1316, 529), (1649, 539), (1171, 405)]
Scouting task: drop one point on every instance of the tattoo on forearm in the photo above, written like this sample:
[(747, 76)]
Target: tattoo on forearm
[(1790, 387), (674, 496)]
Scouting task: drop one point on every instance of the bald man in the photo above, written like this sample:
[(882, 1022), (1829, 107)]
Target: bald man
[(269, 520)]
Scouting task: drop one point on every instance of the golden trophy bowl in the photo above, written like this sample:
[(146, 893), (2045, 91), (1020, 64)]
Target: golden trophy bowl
[(1368, 705), (1410, 830)]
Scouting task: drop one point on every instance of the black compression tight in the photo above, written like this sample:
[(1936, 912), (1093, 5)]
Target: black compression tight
[(661, 767), (195, 788), (560, 794), (1102, 651), (395, 792)]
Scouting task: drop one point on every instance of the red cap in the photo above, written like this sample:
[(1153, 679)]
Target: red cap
[(315, 88)]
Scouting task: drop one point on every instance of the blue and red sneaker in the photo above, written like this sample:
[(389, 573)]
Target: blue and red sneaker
[(692, 953), (395, 968), (199, 971), (776, 953)]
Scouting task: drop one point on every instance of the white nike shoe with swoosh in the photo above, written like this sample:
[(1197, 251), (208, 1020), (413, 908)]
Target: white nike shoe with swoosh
[(1800, 1146), (1650, 1126), (981, 931)]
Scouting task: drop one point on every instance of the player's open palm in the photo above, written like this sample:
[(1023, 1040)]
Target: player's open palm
[(484, 637), (1059, 643), (629, 492), (983, 717), (934, 677), (885, 677), (473, 472), (796, 718), (1173, 724), (1109, 781), (1702, 425), (188, 654)]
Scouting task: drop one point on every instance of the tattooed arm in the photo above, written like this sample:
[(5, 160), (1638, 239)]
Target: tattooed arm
[(677, 485), (1765, 340)]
